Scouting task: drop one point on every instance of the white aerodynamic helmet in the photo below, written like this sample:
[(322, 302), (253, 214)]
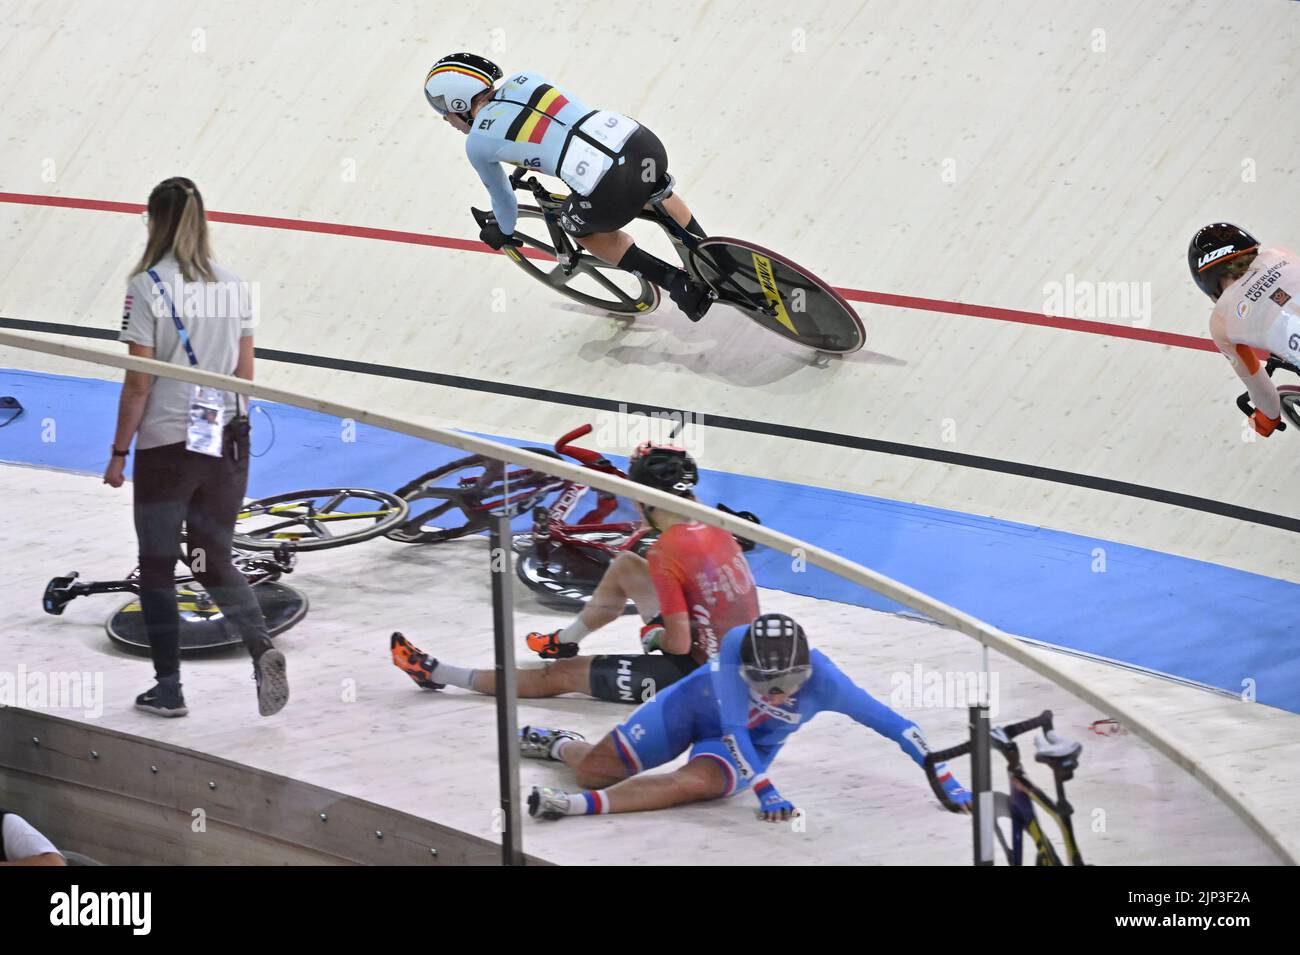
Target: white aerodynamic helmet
[(456, 79)]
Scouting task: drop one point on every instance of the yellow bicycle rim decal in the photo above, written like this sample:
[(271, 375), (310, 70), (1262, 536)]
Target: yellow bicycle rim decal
[(767, 281)]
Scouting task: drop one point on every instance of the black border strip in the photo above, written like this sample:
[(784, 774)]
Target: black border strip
[(830, 438)]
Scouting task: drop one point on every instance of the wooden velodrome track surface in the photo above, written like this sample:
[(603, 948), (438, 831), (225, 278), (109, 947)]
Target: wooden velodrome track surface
[(974, 153), (433, 754)]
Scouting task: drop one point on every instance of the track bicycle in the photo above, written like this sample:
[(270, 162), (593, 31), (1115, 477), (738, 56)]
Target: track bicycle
[(1017, 806), (773, 291)]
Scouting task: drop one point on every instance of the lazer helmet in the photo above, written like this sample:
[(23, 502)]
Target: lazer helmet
[(456, 79), (664, 467), (774, 657), (1210, 251)]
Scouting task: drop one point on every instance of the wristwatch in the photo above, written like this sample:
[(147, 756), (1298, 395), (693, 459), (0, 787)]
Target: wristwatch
[(121, 454)]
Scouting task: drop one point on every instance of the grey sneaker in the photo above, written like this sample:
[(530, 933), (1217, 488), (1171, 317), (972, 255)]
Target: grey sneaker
[(272, 682), (536, 742), (547, 803)]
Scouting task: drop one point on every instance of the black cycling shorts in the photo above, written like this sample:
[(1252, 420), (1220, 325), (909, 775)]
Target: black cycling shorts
[(622, 192), (637, 677)]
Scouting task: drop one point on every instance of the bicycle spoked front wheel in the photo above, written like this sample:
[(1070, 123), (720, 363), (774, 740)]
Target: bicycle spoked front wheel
[(779, 295), (319, 519), (591, 282), (462, 497)]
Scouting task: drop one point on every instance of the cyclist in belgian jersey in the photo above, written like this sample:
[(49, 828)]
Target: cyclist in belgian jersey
[(615, 166), (693, 586)]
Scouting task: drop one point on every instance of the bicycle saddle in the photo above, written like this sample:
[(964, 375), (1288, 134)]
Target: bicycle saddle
[(664, 188), (1054, 749)]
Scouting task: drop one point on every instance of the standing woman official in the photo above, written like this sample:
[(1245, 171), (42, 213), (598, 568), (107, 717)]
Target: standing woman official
[(191, 443)]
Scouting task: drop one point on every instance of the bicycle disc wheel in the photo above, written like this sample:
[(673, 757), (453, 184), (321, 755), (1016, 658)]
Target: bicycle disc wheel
[(592, 282), (462, 496), (1290, 395), (779, 295), (565, 580), (317, 520)]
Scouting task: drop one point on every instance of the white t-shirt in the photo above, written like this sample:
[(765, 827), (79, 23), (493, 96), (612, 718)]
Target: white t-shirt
[(215, 314), (21, 841)]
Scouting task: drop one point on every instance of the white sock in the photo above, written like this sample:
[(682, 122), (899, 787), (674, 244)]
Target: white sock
[(574, 632), (557, 749), (453, 676)]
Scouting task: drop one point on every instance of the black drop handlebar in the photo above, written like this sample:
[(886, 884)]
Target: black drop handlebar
[(1001, 738), (1008, 733)]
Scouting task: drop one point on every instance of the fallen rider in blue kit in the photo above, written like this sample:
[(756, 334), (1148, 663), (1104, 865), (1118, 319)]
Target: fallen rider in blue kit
[(735, 713)]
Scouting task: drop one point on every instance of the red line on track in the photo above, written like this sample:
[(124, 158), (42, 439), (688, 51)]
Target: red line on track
[(470, 245)]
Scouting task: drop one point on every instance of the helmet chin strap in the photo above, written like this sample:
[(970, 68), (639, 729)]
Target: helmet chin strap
[(645, 512)]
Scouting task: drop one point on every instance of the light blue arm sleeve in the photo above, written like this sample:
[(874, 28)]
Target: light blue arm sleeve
[(504, 204), (842, 695)]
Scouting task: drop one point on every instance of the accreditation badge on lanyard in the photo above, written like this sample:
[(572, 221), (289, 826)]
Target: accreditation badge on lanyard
[(207, 404), (207, 407)]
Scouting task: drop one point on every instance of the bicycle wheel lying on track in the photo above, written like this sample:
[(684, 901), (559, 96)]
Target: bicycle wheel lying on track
[(568, 575), (779, 295), (462, 496), (317, 520), (203, 627), (592, 281)]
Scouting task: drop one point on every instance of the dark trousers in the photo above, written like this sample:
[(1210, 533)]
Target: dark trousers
[(175, 487)]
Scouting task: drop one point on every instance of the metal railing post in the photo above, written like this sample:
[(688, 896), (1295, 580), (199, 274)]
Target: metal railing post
[(503, 636)]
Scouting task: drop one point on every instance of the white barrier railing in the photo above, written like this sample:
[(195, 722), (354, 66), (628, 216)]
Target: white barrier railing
[(1229, 792)]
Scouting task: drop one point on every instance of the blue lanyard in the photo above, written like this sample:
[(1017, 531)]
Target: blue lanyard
[(176, 319)]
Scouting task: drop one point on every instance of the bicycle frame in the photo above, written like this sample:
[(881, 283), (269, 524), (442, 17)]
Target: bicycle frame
[(567, 251), (551, 526), (256, 568), (1024, 793)]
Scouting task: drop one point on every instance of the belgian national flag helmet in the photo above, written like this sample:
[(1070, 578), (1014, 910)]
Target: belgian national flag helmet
[(456, 79)]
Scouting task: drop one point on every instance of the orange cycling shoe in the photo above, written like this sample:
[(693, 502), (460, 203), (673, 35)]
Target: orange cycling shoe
[(414, 662), (548, 646)]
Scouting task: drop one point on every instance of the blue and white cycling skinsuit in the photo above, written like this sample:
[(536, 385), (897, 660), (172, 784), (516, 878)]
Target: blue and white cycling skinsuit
[(714, 712), (612, 163)]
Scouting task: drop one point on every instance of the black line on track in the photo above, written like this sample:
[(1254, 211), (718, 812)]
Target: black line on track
[(745, 425)]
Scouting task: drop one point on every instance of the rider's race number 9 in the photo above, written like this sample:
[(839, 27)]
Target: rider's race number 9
[(611, 130), (583, 166)]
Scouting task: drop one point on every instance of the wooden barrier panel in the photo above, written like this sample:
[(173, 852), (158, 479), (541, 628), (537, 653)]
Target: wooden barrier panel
[(124, 800)]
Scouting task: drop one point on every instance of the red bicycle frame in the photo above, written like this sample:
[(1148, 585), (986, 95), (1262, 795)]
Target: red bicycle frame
[(551, 525)]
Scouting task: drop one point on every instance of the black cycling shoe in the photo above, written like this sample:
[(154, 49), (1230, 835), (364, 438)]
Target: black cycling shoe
[(694, 301)]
